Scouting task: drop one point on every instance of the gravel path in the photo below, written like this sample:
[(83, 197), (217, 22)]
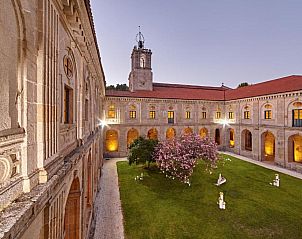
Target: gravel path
[(108, 211)]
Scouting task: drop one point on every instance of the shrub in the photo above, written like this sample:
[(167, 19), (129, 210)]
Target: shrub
[(141, 150), (177, 157)]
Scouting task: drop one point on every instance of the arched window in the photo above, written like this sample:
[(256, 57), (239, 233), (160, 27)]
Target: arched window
[(152, 134), (232, 138), (268, 146), (170, 133), (111, 140), (188, 130), (217, 136), (248, 140), (142, 62), (203, 132), (131, 136), (295, 148)]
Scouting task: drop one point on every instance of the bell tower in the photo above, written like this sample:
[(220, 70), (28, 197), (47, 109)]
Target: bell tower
[(140, 77)]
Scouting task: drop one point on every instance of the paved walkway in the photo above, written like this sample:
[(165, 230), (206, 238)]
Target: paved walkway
[(266, 165), (108, 211)]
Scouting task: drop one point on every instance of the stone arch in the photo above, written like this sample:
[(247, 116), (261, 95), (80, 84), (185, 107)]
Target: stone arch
[(268, 146), (152, 134), (246, 140), (231, 138), (170, 133), (132, 135), (203, 132), (11, 69), (72, 211), (295, 148), (111, 142), (217, 136), (188, 130)]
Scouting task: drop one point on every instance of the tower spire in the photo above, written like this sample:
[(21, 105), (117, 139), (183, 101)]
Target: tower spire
[(140, 38)]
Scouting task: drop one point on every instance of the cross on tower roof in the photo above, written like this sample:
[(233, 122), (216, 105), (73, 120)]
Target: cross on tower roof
[(140, 38)]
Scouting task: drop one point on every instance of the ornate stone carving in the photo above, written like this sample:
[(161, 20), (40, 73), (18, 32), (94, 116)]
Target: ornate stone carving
[(6, 166)]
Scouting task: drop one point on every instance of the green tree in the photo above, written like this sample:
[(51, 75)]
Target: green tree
[(141, 151), (243, 84), (122, 87)]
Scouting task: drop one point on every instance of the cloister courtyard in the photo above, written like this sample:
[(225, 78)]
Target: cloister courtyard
[(159, 207)]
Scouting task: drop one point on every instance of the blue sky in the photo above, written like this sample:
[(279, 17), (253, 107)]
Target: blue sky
[(202, 42)]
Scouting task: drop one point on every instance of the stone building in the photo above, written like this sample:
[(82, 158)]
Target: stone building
[(261, 121), (52, 88)]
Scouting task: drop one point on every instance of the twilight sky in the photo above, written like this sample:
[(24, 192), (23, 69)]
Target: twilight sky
[(202, 42)]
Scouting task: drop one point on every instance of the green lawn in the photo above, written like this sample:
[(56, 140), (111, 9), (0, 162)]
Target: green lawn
[(158, 207)]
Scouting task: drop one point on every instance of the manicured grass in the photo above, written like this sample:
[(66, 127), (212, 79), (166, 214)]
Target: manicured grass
[(158, 207)]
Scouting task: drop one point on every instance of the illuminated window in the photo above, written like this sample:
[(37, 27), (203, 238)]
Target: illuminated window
[(171, 117), (188, 114), (68, 105), (111, 140), (152, 114), (246, 114), (111, 111), (232, 138), (218, 115), (267, 114), (231, 115), (132, 114), (297, 118), (204, 115)]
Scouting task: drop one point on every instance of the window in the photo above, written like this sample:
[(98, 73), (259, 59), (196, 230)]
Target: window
[(246, 114), (68, 105), (218, 115), (204, 115), (68, 68), (297, 118), (267, 114), (188, 114), (248, 140), (171, 117), (152, 114), (111, 111), (231, 115), (132, 114)]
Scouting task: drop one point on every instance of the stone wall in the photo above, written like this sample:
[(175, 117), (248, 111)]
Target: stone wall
[(48, 139)]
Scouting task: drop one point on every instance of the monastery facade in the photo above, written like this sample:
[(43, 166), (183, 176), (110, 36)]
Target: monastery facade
[(261, 121), (52, 87)]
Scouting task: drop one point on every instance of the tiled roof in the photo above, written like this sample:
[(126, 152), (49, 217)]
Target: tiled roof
[(280, 85), (174, 91), (192, 92)]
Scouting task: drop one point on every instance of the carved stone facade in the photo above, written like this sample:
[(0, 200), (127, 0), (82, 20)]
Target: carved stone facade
[(52, 88)]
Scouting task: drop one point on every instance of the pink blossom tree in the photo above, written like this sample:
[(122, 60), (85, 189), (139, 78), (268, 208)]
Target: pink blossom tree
[(177, 157)]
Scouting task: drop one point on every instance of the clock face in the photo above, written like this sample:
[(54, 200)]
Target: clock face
[(141, 83)]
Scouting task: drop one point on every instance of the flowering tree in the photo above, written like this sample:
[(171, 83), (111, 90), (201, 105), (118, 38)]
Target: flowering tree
[(178, 156)]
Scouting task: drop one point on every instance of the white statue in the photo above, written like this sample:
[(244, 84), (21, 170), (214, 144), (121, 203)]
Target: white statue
[(221, 203), (220, 180), (276, 181)]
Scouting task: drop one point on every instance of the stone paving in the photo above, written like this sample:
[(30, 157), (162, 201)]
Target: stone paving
[(267, 165), (108, 211)]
